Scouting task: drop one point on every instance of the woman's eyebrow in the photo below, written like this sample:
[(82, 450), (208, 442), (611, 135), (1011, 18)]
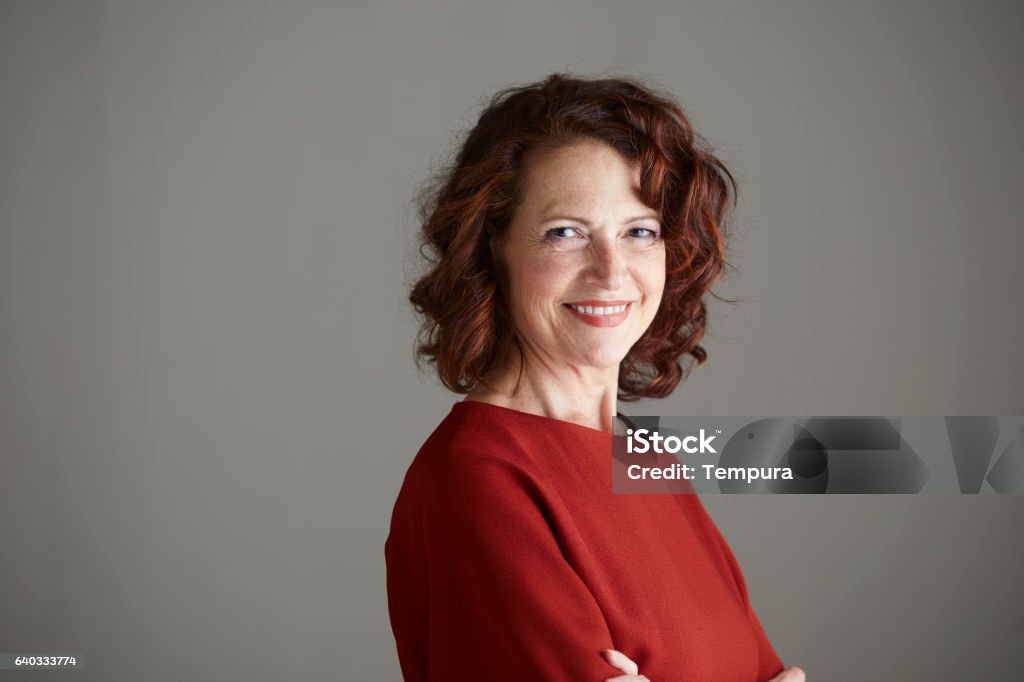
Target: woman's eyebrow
[(647, 216)]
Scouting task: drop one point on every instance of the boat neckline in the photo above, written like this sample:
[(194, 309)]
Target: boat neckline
[(531, 415)]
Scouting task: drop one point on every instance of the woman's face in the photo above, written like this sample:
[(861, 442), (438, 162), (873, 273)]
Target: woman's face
[(583, 259)]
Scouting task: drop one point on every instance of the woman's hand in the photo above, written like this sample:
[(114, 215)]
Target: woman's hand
[(793, 674), (617, 659)]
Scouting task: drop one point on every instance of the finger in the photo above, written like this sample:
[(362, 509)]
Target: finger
[(629, 678), (619, 660), (793, 674)]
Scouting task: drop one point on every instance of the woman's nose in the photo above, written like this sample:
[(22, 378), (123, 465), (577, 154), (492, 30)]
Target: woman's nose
[(607, 266)]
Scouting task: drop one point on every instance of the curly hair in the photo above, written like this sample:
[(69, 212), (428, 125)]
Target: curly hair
[(465, 324)]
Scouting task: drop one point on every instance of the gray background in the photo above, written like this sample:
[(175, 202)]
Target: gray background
[(207, 397)]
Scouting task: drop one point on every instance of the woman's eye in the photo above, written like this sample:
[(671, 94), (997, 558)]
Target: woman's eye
[(643, 233), (560, 233)]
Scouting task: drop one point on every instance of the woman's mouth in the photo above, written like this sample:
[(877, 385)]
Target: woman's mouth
[(600, 313), (598, 310)]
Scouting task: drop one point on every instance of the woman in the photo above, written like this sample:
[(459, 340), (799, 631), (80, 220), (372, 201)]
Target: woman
[(572, 243)]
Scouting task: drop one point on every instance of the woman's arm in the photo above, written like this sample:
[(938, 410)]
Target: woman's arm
[(769, 663)]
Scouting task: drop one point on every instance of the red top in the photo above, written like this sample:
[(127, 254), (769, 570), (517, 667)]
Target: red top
[(509, 558)]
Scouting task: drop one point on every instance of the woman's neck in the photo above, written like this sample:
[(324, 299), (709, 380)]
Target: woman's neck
[(584, 396)]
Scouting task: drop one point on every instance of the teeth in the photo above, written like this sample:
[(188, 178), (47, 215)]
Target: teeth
[(599, 310)]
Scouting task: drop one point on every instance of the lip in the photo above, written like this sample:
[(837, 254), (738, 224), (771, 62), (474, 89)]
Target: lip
[(600, 320), (600, 302)]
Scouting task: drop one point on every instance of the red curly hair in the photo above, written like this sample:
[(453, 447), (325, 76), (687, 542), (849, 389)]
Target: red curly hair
[(465, 325)]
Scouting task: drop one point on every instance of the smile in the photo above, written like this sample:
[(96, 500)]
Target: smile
[(598, 310), (611, 314)]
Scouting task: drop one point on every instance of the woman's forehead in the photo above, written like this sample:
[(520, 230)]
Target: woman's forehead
[(578, 177)]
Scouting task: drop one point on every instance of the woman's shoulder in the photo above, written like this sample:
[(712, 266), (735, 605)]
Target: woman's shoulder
[(476, 460), (475, 432), (480, 451), (477, 437)]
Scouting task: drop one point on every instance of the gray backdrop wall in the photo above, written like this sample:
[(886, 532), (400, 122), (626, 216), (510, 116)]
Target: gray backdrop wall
[(207, 396)]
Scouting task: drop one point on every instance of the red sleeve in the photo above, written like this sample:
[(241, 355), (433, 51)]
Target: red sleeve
[(769, 663), (501, 601)]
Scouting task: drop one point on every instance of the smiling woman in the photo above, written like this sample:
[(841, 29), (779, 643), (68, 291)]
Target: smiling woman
[(572, 243), (582, 290)]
